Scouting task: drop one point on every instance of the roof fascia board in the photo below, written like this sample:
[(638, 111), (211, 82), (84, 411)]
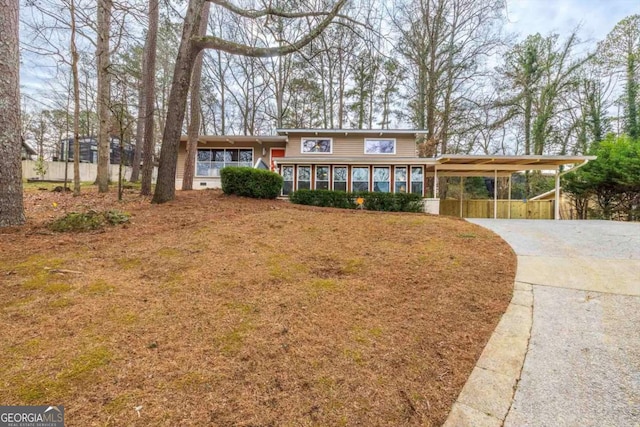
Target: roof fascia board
[(351, 131), (495, 166)]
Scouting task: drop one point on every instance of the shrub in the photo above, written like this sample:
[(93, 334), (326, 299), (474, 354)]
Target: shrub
[(325, 198), (393, 202), (87, 221), (250, 182), (389, 202)]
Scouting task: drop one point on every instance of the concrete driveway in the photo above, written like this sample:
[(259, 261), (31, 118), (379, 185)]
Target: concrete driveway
[(582, 363)]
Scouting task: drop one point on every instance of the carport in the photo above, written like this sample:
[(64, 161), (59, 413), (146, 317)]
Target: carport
[(462, 165)]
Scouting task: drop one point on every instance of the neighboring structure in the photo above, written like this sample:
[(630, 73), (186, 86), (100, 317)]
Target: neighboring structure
[(567, 210), (89, 150), (27, 152), (384, 160)]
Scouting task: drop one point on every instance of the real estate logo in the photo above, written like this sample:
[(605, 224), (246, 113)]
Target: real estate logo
[(31, 416)]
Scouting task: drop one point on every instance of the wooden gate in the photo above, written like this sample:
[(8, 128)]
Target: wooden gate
[(535, 209)]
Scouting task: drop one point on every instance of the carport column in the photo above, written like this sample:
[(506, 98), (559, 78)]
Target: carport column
[(461, 193), (509, 197), (556, 205), (495, 194)]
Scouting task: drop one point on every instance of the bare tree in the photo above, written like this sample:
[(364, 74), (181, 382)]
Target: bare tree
[(444, 42), (135, 168), (149, 81), (191, 44), (76, 103), (11, 205), (620, 52), (194, 108), (48, 19), (104, 92)]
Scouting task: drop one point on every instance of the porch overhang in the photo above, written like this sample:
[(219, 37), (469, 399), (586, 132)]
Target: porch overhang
[(483, 165)]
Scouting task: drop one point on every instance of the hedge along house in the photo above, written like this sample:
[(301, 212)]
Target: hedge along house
[(384, 160)]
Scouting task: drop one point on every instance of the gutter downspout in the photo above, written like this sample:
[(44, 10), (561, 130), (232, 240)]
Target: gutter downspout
[(556, 213), (575, 167)]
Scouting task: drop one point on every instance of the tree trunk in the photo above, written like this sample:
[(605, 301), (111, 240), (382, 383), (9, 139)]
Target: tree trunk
[(135, 167), (190, 45), (223, 102), (165, 185), (279, 95), (104, 93), (632, 128), (341, 90), (76, 104), (194, 125), (149, 82), (11, 205)]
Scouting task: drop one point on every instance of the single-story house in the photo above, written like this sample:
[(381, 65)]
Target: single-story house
[(383, 160)]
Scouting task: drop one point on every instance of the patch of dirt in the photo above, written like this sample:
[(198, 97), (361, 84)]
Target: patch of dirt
[(215, 310)]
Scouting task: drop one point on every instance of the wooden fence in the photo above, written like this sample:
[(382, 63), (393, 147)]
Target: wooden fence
[(536, 209)]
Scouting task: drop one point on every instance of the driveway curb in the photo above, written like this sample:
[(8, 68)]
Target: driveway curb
[(486, 397)]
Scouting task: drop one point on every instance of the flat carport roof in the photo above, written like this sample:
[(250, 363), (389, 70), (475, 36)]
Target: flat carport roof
[(483, 165)]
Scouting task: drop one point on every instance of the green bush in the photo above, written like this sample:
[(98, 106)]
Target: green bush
[(250, 182), (325, 198), (393, 202), (389, 202), (87, 221)]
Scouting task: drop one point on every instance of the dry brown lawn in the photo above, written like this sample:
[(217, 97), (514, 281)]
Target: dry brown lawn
[(220, 311)]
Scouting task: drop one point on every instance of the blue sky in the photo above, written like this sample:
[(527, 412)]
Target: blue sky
[(596, 17)]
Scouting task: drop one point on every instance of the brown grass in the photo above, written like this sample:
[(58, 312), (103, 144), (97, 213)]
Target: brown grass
[(215, 310)]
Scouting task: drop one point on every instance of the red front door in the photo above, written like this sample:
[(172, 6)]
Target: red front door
[(276, 152)]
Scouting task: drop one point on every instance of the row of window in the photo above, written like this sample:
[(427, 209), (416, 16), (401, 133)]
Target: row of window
[(210, 161), (360, 181), (325, 146)]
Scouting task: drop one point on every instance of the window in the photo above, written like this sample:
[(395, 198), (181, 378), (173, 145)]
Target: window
[(316, 145), (360, 178), (287, 177), (381, 179), (340, 178), (417, 180), (322, 177), (209, 161), (401, 179), (304, 177), (379, 146)]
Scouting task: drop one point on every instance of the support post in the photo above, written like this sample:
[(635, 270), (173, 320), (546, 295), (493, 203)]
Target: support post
[(509, 197), (435, 182), (495, 194), (556, 205), (461, 194)]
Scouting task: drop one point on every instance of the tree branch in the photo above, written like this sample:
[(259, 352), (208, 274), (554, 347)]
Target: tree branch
[(269, 11), (213, 42)]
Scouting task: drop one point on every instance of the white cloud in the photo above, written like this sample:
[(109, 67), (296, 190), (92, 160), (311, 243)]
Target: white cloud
[(596, 17)]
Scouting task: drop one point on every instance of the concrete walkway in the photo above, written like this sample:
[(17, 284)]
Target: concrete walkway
[(579, 282)]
